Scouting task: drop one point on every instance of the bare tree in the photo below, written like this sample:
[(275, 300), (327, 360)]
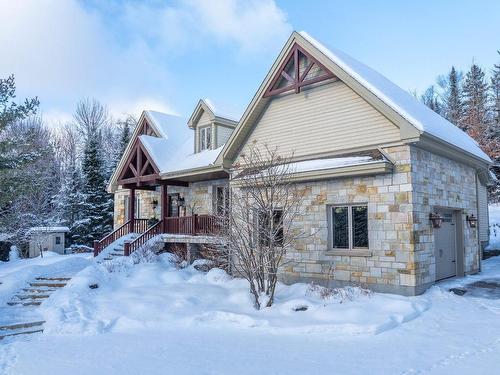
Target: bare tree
[(265, 202)]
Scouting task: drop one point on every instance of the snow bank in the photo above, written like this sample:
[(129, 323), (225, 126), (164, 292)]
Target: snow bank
[(158, 295), (494, 212), (16, 274)]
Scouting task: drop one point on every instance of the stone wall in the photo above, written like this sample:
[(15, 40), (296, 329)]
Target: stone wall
[(442, 182), (386, 264), (198, 200), (400, 258)]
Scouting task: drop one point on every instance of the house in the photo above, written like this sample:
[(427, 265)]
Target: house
[(47, 239), (394, 194)]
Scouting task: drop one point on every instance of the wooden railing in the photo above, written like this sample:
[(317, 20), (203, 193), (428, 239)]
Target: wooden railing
[(130, 247), (192, 225), (138, 226)]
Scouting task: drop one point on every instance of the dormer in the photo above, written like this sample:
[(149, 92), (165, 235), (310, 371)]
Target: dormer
[(212, 128)]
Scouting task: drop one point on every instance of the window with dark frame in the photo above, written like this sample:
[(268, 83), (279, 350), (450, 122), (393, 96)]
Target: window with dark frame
[(222, 200), (270, 227), (58, 240), (349, 227)]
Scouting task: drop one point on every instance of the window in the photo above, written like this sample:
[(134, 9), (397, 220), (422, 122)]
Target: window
[(126, 203), (349, 227), (270, 227), (58, 240), (221, 200), (205, 138)]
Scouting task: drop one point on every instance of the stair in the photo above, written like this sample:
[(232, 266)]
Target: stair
[(39, 290), (21, 329), (116, 252)]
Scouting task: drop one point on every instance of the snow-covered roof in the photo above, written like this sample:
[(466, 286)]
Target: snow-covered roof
[(170, 157), (49, 229), (223, 110), (170, 126), (330, 163), (418, 114)]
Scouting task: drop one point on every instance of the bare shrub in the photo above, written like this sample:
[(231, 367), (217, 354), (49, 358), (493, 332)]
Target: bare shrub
[(260, 226), (145, 254), (341, 295)]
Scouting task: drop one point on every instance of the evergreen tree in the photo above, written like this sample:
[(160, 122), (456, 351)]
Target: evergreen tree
[(493, 133), (494, 128), (96, 217), (452, 103), (71, 203), (97, 208), (475, 93)]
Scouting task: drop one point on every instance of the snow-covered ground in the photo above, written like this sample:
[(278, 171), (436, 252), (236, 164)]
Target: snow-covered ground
[(494, 211), (152, 318)]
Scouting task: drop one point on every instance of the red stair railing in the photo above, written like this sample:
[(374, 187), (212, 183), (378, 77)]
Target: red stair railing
[(154, 230), (139, 226)]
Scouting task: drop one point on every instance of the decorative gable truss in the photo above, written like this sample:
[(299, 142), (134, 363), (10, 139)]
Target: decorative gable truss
[(146, 129), (139, 169), (299, 69)]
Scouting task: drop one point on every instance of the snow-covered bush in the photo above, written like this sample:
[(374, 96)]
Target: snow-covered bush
[(145, 254), (341, 295)]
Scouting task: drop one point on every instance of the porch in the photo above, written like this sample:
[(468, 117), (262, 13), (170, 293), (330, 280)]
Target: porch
[(183, 229)]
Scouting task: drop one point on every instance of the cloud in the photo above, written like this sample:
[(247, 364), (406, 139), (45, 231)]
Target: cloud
[(119, 52)]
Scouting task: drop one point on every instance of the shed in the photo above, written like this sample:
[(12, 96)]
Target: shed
[(47, 239)]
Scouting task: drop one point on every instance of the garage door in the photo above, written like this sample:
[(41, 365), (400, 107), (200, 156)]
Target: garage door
[(446, 247)]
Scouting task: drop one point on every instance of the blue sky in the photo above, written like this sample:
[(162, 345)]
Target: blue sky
[(165, 55)]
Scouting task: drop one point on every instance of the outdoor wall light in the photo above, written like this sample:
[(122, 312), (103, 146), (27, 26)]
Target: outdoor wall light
[(154, 203), (472, 220), (436, 219)]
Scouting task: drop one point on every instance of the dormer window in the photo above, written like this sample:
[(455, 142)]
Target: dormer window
[(205, 138)]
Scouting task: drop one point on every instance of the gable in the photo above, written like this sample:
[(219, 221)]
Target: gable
[(298, 70), (139, 166), (324, 119)]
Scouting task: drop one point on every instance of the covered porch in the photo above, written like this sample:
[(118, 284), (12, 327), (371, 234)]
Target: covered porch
[(178, 215)]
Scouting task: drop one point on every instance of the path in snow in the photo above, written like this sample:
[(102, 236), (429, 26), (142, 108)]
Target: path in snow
[(138, 322)]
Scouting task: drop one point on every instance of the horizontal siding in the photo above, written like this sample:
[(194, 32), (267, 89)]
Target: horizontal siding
[(482, 197), (323, 119), (223, 134), (204, 119)]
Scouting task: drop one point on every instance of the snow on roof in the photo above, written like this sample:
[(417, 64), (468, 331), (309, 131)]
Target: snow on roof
[(418, 114), (174, 151), (170, 126), (49, 229), (222, 110), (330, 163), (170, 158)]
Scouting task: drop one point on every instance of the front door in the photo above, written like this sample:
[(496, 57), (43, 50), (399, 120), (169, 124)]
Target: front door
[(446, 246), (173, 205)]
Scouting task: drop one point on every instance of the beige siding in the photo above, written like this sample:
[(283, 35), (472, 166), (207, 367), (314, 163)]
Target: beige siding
[(326, 118), (223, 133), (204, 119), (482, 199)]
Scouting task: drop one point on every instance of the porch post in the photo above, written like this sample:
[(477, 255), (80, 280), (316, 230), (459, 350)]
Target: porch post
[(164, 206), (131, 210)]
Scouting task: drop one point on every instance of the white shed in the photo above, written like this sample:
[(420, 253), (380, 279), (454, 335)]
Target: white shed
[(47, 239)]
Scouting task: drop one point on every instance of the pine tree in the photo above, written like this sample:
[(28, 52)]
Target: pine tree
[(453, 106), (96, 210), (71, 201), (494, 128), (493, 133), (475, 92)]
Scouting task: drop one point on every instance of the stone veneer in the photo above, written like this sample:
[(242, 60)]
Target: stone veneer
[(198, 200), (400, 258)]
